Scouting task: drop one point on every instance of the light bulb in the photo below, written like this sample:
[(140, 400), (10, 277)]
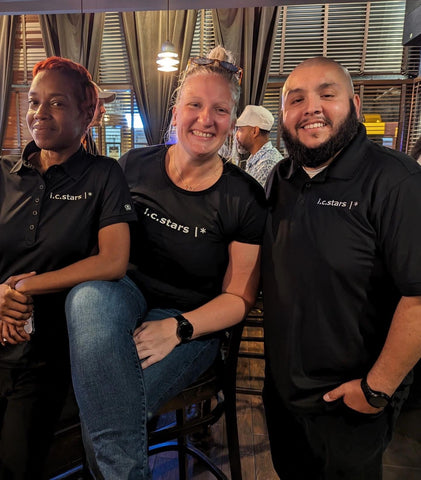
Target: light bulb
[(167, 58)]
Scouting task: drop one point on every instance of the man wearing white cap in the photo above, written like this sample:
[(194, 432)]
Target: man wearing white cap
[(253, 128), (103, 98)]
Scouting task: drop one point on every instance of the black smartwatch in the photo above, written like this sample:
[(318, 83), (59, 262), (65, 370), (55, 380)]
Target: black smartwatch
[(184, 329), (373, 397)]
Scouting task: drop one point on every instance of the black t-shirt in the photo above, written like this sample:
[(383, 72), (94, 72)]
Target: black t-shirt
[(339, 251), (180, 245), (50, 221)]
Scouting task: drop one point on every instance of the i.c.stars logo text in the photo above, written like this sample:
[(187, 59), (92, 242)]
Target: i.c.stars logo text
[(167, 222), (69, 197), (337, 203)]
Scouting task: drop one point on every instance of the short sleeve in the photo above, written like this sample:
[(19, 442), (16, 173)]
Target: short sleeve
[(253, 216), (117, 205), (400, 234)]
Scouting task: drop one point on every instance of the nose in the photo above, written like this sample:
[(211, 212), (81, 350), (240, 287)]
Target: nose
[(205, 116), (41, 111), (313, 104)]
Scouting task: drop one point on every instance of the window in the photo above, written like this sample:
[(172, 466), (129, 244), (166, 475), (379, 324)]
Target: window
[(29, 50), (122, 128)]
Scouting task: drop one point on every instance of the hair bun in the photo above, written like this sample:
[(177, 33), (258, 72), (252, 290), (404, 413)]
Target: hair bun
[(219, 53)]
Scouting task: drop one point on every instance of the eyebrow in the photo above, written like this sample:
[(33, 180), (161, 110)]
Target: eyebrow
[(58, 94), (327, 85), (320, 87)]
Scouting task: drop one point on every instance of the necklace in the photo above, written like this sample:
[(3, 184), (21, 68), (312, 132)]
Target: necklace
[(191, 187)]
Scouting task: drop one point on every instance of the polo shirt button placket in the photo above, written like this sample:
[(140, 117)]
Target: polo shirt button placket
[(32, 227)]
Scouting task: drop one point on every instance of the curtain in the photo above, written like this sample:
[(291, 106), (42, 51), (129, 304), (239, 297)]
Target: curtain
[(7, 38), (75, 36), (250, 35), (145, 32)]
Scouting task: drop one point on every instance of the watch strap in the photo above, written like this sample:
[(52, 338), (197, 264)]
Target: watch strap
[(184, 328), (371, 394)]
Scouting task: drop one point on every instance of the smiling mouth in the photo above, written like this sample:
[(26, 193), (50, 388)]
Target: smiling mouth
[(202, 134), (314, 125)]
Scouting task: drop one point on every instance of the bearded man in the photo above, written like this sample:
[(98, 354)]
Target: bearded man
[(341, 281)]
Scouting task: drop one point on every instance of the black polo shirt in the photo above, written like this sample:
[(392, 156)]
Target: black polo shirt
[(52, 220), (339, 251)]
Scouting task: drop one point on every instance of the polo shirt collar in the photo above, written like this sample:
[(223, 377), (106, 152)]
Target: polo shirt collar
[(74, 166), (349, 161)]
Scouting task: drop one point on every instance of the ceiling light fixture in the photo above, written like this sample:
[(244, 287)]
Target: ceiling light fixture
[(167, 59)]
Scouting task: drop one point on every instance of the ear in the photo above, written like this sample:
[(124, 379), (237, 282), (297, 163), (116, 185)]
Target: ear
[(88, 116), (174, 116), (357, 103)]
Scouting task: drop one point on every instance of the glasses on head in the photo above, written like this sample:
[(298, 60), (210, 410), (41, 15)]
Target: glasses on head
[(229, 67)]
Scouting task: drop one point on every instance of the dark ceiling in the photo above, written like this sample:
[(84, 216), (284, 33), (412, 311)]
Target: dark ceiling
[(10, 7)]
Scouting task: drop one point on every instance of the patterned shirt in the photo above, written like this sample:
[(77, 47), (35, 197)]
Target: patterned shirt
[(261, 163)]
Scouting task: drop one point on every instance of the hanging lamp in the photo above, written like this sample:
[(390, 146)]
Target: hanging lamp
[(167, 59)]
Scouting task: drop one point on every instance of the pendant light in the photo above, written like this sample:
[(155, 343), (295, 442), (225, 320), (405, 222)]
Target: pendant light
[(167, 58)]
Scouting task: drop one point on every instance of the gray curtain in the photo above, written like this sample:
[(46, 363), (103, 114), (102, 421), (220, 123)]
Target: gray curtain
[(250, 34), (145, 32), (7, 41), (75, 36)]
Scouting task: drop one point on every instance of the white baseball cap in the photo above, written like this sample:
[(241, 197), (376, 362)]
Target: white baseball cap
[(105, 95), (255, 116)]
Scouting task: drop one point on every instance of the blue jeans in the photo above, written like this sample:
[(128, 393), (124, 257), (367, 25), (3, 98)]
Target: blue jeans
[(116, 397)]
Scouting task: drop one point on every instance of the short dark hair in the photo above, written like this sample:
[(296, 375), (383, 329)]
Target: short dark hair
[(85, 90)]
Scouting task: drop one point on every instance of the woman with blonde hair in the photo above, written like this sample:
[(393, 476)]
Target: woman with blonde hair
[(136, 343)]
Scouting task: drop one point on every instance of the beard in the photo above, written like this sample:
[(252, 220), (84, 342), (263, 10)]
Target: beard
[(314, 157), (241, 150)]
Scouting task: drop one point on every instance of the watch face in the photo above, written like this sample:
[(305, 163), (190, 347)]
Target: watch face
[(185, 330), (378, 401)]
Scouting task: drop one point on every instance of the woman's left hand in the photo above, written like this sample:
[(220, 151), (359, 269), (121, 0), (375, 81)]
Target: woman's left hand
[(155, 340)]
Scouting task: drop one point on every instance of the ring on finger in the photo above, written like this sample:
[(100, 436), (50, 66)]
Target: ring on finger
[(4, 340)]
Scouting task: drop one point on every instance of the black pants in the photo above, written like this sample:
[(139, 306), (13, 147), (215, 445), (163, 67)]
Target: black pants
[(31, 401), (341, 444)]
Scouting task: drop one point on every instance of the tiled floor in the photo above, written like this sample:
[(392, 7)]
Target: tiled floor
[(402, 460)]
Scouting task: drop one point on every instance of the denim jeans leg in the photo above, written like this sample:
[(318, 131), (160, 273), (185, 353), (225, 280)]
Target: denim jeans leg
[(180, 368), (107, 376)]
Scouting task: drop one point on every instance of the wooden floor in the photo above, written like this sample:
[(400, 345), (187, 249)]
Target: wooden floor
[(402, 460)]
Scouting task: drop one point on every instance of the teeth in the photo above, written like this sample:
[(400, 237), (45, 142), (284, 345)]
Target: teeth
[(202, 134), (314, 125)]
